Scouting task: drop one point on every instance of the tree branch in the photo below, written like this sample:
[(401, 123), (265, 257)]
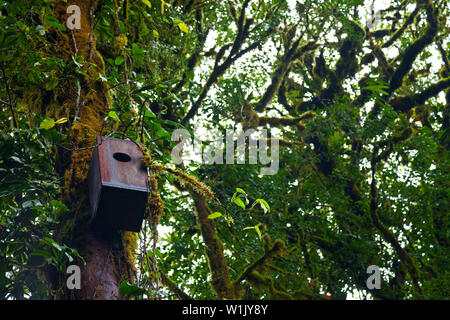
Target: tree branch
[(405, 104), (290, 55), (400, 31), (172, 286), (411, 53)]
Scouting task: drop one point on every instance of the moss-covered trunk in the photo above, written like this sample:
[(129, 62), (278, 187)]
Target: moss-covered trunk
[(105, 266)]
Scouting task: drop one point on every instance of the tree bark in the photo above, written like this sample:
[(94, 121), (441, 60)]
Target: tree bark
[(106, 267)]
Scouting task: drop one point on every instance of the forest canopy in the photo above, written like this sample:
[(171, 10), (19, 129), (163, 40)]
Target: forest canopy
[(350, 98)]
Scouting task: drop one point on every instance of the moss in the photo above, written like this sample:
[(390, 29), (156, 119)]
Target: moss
[(67, 229), (279, 247), (255, 272), (355, 30), (130, 240), (220, 281), (33, 102), (155, 203), (120, 43), (277, 78), (279, 295), (62, 102), (238, 291), (184, 178), (260, 282), (304, 293), (124, 271), (251, 118)]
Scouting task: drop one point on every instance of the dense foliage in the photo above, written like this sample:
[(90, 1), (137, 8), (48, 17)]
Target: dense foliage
[(361, 110)]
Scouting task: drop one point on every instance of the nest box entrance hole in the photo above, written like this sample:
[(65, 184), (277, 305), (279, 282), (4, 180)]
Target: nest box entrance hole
[(122, 157)]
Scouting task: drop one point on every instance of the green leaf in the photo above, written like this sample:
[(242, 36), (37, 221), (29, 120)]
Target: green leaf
[(119, 60), (31, 204), (47, 124), (258, 231), (113, 114), (236, 198), (160, 131), (377, 89), (263, 203), (214, 215), (50, 242), (136, 50), (172, 123), (149, 113), (147, 3), (183, 27), (239, 202), (235, 195), (159, 292), (43, 253), (53, 22), (76, 254), (155, 34), (62, 120), (130, 289)]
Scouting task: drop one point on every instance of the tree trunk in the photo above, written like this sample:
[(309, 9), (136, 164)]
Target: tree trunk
[(105, 266)]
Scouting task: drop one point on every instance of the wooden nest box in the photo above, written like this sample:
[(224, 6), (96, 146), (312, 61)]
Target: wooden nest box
[(118, 185)]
